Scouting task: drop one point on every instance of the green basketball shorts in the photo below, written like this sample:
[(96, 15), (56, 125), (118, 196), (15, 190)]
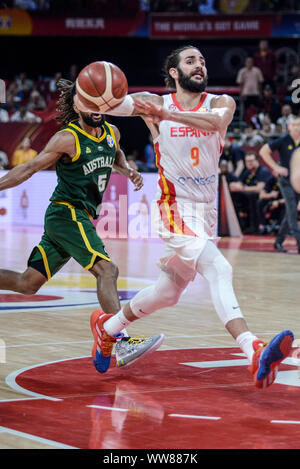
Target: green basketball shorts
[(68, 234)]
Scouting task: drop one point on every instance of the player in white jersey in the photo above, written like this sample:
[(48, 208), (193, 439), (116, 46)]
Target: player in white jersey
[(188, 129)]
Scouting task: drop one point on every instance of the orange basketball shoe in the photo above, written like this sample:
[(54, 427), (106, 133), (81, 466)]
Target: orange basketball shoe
[(267, 358), (103, 343)]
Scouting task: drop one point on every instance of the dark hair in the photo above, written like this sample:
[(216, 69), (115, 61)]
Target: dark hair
[(65, 109), (172, 61), (252, 153)]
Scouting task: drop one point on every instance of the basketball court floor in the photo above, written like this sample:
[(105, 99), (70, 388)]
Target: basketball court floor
[(194, 392)]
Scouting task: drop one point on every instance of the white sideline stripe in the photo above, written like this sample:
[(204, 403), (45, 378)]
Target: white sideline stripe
[(286, 421), (36, 438), (108, 408), (203, 417)]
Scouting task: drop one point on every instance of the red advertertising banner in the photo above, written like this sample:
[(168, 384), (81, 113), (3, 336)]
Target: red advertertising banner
[(22, 23), (199, 26)]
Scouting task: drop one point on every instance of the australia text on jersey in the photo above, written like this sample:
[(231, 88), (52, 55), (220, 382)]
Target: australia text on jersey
[(100, 162)]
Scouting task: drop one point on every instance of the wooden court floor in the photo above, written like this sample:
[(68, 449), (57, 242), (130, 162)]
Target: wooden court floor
[(46, 344)]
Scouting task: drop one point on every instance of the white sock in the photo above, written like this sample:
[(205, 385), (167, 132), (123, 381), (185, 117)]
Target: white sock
[(245, 341), (116, 324)]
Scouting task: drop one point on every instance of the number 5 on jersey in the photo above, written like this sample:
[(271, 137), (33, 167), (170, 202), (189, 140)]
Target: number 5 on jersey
[(102, 182), (195, 155)]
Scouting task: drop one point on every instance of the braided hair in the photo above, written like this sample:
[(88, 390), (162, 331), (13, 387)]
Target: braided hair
[(65, 109)]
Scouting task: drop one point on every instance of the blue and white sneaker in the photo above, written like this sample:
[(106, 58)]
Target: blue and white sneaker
[(267, 358), (103, 343)]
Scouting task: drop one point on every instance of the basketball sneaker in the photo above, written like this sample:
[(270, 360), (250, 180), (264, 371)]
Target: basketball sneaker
[(103, 343), (130, 349), (267, 358)]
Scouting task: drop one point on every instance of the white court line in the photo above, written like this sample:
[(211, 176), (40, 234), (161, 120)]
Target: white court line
[(202, 417), (297, 422), (11, 380), (202, 336), (36, 438), (108, 408), (44, 344)]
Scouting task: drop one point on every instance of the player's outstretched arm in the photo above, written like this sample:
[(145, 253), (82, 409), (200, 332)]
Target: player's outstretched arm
[(218, 119), (121, 166), (59, 144), (127, 108)]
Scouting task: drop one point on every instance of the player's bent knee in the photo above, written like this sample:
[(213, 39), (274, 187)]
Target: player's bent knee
[(27, 288), (168, 297), (219, 268), (105, 268), (30, 282)]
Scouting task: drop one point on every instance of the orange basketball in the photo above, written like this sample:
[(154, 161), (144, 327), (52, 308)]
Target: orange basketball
[(100, 86)]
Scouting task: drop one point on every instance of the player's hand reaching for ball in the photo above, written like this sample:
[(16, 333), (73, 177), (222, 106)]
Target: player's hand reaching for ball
[(153, 112), (136, 178)]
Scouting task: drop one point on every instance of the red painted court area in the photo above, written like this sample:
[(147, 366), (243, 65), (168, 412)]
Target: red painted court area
[(18, 298), (196, 398)]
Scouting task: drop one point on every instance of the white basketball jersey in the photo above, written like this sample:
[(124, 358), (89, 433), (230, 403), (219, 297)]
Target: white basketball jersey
[(187, 158)]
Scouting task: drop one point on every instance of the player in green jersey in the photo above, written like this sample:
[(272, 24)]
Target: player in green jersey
[(84, 152)]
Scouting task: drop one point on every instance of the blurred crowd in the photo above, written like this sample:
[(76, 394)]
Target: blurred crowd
[(211, 7), (127, 7), (79, 7)]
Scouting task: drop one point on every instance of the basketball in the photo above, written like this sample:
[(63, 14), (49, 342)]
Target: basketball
[(100, 86)]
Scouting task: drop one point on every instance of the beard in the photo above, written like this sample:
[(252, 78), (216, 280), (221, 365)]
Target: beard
[(186, 82), (89, 120)]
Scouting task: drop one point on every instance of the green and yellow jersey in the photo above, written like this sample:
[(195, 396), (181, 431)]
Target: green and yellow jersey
[(82, 180)]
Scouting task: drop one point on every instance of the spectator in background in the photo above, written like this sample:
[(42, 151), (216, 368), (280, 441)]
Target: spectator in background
[(150, 156), (24, 153), (73, 73), (294, 75), (3, 159), (14, 96), (268, 129), (250, 79), (270, 207), (24, 83), (265, 59), (270, 104), (234, 155), (285, 145), (24, 115), (285, 118), (4, 117), (53, 82), (26, 4), (36, 101), (207, 7), (251, 137), (132, 158), (251, 182)]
